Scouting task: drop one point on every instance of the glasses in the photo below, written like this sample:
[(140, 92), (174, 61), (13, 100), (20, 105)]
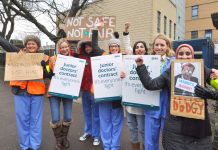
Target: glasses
[(189, 71), (184, 53), (115, 46)]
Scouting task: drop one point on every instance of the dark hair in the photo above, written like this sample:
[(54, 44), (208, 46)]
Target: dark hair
[(188, 65), (134, 47)]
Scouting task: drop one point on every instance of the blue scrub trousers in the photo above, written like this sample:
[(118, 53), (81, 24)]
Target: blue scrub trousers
[(152, 128), (111, 125), (91, 115), (29, 113)]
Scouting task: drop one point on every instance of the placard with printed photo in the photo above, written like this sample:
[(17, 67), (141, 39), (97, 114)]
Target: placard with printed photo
[(185, 75)]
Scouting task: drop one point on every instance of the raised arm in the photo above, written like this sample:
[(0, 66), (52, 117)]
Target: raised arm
[(126, 39), (96, 49), (7, 46), (152, 84)]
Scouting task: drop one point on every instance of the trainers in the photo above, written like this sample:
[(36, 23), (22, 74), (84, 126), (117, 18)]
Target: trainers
[(84, 137), (96, 142)]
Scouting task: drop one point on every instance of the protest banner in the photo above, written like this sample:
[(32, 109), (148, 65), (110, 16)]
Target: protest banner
[(133, 92), (185, 75), (80, 28), (23, 66), (106, 77), (68, 77)]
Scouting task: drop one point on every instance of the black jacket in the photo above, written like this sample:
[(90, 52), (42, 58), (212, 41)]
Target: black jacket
[(179, 125)]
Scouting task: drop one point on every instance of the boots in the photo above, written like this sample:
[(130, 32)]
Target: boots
[(58, 135), (136, 146), (143, 146), (65, 129)]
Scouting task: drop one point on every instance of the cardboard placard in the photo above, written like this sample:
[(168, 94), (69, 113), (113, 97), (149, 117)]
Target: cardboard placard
[(68, 77), (185, 75), (133, 92), (80, 28), (106, 77), (23, 66)]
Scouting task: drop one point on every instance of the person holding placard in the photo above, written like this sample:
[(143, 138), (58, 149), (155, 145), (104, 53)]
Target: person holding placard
[(61, 128), (90, 108), (110, 112), (135, 116), (154, 120), (28, 98), (179, 133)]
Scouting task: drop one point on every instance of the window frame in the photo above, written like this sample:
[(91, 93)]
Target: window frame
[(194, 36), (195, 11)]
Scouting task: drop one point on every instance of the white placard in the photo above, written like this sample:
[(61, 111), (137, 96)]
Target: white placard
[(133, 92), (68, 77), (106, 77), (186, 85)]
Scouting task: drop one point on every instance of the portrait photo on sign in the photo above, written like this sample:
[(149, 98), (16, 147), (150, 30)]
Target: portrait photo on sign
[(186, 76)]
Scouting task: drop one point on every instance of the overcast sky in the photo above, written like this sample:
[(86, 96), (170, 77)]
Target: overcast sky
[(23, 27)]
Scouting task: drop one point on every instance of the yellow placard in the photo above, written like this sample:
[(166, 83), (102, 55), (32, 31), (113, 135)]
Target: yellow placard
[(23, 66)]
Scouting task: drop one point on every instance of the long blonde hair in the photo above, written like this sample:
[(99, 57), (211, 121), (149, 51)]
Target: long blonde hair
[(60, 41), (170, 51)]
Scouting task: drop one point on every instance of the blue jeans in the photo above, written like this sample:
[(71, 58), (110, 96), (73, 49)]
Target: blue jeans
[(136, 127), (55, 109), (91, 115), (29, 112)]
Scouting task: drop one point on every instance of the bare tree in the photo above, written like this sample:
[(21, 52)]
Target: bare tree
[(32, 10), (7, 19)]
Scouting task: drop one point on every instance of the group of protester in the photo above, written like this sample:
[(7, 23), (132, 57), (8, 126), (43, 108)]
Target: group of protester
[(103, 121)]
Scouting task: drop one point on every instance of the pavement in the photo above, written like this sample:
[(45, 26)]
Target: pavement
[(8, 131)]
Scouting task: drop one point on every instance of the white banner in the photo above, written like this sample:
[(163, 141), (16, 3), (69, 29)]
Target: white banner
[(106, 77), (133, 92), (68, 77)]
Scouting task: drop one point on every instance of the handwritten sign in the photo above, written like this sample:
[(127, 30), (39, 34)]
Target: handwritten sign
[(106, 77), (23, 66), (185, 85), (188, 107), (184, 102), (68, 77), (133, 92), (80, 28)]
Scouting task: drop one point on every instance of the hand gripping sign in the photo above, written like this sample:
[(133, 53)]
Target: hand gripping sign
[(133, 92), (106, 77), (68, 77)]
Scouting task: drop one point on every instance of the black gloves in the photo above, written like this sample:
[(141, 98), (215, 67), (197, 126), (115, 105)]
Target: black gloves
[(46, 74), (43, 64), (206, 93)]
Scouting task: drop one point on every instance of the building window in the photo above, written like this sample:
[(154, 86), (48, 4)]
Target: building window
[(174, 32), (158, 21), (170, 28), (195, 12), (165, 25), (208, 34), (194, 34)]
